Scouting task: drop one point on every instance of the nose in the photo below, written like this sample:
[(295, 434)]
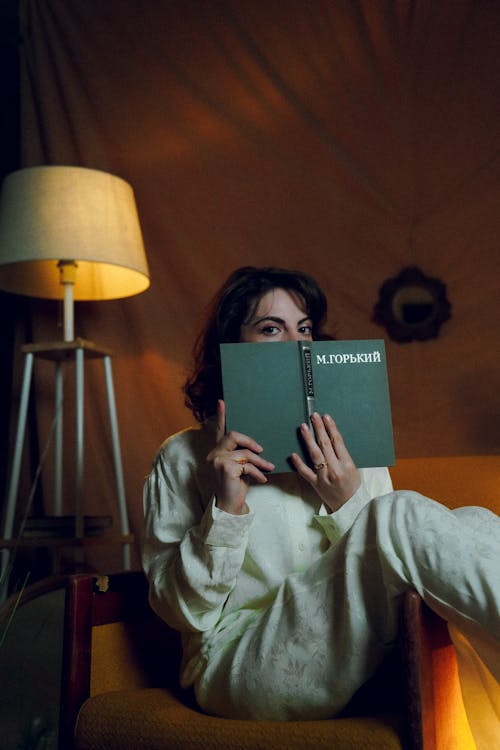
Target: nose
[(293, 336)]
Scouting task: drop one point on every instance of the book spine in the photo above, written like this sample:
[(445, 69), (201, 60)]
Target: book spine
[(307, 373)]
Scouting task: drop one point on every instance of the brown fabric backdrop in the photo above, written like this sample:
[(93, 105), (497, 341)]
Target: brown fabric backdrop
[(348, 139)]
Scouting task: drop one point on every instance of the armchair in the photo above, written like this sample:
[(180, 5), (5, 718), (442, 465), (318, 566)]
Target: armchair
[(122, 690)]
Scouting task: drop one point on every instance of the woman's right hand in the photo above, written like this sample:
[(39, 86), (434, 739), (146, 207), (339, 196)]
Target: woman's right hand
[(236, 461)]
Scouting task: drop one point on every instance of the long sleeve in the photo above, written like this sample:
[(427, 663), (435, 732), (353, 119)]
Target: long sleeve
[(192, 551), (374, 483)]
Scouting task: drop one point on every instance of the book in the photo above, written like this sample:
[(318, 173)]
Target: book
[(270, 388)]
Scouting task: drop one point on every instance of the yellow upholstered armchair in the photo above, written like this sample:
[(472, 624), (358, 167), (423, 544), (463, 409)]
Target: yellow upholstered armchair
[(122, 687), (122, 691)]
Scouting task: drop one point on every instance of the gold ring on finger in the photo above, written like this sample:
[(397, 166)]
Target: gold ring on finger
[(321, 465), (241, 461)]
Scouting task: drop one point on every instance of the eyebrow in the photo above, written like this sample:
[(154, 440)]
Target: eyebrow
[(275, 319)]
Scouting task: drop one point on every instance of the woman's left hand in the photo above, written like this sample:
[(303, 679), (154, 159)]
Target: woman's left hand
[(335, 477)]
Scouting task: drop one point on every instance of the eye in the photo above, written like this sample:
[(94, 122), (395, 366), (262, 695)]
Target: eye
[(269, 330), (306, 330)]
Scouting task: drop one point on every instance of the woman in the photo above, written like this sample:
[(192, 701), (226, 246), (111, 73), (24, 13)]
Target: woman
[(286, 587)]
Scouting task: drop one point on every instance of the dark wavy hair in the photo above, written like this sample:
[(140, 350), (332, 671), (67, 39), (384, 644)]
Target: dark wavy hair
[(233, 305)]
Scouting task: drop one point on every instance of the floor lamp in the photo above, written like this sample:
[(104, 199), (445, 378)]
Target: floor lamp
[(68, 233)]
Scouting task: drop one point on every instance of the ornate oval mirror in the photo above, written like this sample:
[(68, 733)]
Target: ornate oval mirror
[(412, 306)]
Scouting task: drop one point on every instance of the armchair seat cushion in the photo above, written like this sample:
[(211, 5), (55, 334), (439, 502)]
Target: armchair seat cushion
[(155, 719)]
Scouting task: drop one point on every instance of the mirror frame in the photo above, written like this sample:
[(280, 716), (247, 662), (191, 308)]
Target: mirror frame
[(434, 303)]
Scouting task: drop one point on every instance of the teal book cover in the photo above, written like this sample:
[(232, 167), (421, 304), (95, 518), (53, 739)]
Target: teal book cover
[(271, 388)]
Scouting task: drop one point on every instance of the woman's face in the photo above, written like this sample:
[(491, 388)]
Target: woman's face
[(278, 317)]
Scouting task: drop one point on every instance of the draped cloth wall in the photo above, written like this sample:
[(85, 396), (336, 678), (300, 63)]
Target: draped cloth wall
[(346, 138)]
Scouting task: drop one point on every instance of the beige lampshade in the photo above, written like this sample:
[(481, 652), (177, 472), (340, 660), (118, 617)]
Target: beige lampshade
[(56, 213)]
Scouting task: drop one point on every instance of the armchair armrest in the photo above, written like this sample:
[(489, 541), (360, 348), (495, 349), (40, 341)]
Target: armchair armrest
[(436, 713), (113, 641)]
